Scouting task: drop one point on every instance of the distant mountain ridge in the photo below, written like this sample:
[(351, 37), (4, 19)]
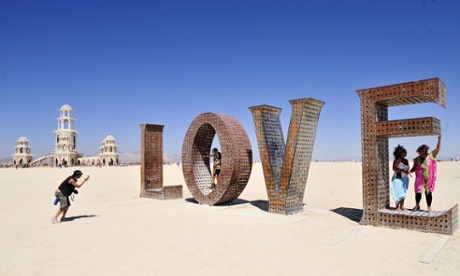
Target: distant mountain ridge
[(125, 157), (135, 157)]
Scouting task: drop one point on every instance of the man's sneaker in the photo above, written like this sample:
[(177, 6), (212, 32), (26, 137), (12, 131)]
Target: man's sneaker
[(53, 220), (212, 186)]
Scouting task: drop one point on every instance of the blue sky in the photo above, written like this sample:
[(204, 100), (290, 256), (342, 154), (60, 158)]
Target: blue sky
[(120, 64)]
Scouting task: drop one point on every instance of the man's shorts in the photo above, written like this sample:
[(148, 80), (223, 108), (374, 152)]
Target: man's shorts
[(64, 201)]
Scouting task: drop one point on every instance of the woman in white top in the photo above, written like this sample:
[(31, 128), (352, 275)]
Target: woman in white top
[(400, 180)]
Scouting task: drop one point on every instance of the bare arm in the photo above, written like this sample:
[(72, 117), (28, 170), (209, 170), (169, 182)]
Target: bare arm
[(438, 147), (75, 183), (413, 166), (395, 165)]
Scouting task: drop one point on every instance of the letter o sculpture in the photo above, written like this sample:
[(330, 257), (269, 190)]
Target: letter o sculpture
[(236, 158)]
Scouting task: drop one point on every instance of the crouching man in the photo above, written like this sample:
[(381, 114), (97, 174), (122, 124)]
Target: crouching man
[(65, 190)]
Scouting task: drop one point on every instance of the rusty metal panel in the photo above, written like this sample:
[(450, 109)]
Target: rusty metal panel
[(409, 127), (286, 166), (152, 165), (236, 158), (442, 222), (422, 91), (375, 131)]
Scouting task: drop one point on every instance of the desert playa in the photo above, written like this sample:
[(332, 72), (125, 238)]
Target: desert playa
[(112, 231)]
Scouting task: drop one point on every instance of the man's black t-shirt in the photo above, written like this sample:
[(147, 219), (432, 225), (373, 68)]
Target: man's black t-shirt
[(66, 188)]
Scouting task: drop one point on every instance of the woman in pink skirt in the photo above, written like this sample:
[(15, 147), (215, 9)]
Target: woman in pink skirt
[(425, 174)]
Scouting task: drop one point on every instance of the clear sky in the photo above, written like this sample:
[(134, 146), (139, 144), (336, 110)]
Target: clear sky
[(120, 64)]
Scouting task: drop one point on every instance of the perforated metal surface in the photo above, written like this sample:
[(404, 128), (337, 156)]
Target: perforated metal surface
[(375, 131), (236, 158), (152, 165), (286, 166)]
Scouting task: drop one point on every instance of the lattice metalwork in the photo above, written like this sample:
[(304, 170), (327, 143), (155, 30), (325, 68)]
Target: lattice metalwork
[(375, 131), (286, 166), (152, 165), (236, 158), (408, 127)]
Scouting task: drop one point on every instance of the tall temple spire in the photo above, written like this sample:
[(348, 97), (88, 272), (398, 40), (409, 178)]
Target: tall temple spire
[(65, 152)]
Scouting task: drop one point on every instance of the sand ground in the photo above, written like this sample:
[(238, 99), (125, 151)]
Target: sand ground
[(115, 232)]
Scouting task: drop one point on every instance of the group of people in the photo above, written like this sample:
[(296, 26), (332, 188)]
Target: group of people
[(68, 186), (424, 168)]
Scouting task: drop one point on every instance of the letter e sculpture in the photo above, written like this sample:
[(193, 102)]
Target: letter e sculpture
[(375, 131)]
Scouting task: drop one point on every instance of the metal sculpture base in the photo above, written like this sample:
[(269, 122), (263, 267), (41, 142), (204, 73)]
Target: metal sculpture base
[(443, 222)]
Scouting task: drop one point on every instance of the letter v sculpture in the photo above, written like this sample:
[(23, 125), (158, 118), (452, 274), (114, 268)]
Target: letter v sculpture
[(286, 166)]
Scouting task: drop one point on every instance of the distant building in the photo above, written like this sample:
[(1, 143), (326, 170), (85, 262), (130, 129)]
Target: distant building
[(65, 152), (89, 161), (108, 154), (22, 153), (65, 144), (108, 151)]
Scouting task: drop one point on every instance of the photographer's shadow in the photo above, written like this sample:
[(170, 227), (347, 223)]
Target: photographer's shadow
[(77, 217)]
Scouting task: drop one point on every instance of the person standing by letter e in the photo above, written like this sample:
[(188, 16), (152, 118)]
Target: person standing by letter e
[(425, 174)]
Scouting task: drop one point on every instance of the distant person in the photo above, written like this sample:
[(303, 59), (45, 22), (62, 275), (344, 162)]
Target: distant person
[(425, 174), (217, 165), (65, 190), (400, 180)]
